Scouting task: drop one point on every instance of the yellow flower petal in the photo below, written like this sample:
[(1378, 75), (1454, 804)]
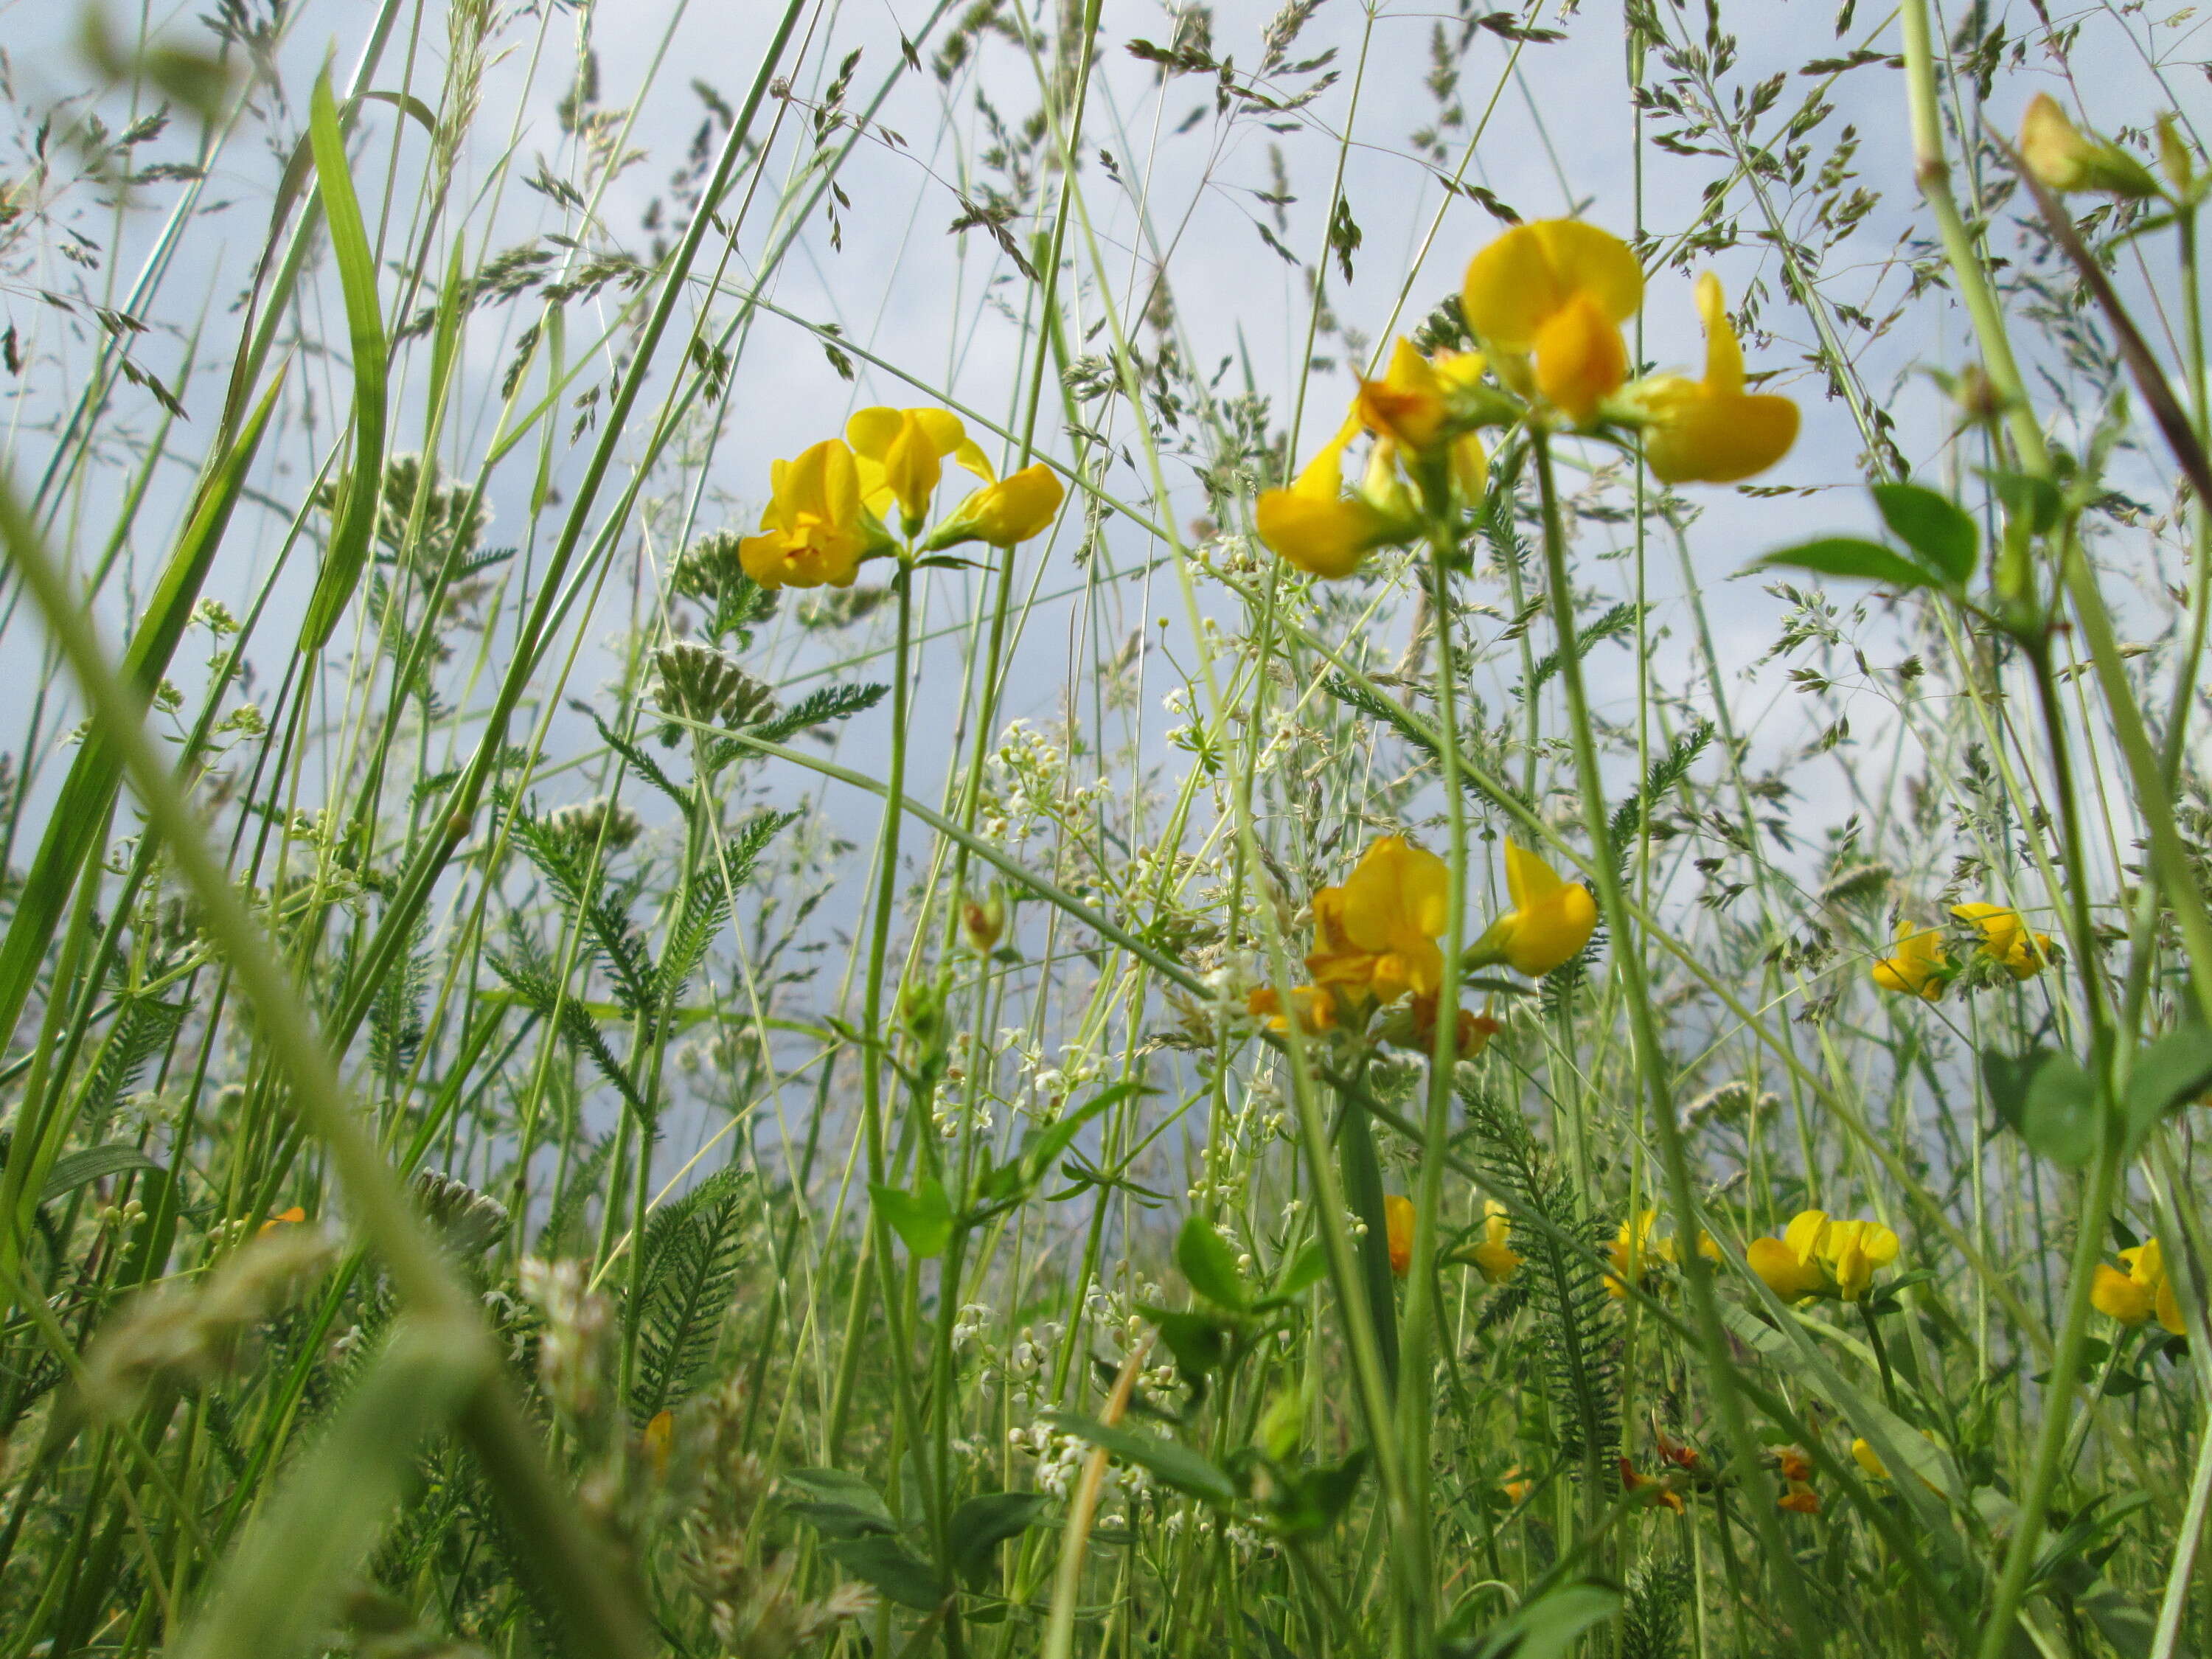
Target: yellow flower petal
[(1529, 274), (1581, 359), (1398, 1212), (2117, 1294)]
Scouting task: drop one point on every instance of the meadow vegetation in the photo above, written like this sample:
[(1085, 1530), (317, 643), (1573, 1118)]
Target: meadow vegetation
[(1167, 908)]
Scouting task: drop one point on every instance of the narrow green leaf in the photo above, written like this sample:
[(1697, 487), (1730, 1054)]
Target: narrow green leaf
[(80, 806), (1934, 526), (354, 521), (1307, 1270), (842, 1488), (1209, 1265), (1167, 1460), (279, 1589), (923, 1218), (1550, 1626), (2031, 502), (81, 1168), (1847, 556)]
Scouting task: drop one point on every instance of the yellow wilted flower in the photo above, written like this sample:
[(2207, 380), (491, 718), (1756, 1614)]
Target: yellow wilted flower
[(818, 527), (1557, 290), (2144, 1289), (1494, 1257), (1550, 921), (1374, 938), (1917, 965), (1004, 514), (2064, 159), (1818, 1257), (1318, 528), (1415, 1028), (2007, 939), (1399, 1215), (1712, 431), (900, 453)]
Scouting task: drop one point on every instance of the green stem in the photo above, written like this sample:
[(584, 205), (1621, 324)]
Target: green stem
[(1652, 1068)]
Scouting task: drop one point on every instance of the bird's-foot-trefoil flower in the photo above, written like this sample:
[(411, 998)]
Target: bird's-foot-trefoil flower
[(1918, 964), (2144, 1289), (818, 527), (1712, 431), (1004, 514), (1796, 1469), (1816, 1257), (1636, 1256), (1550, 920), (1414, 1028), (1428, 408), (1314, 1008), (1491, 1253), (1548, 300), (2064, 159), (1322, 530), (900, 455), (1374, 938), (2007, 939)]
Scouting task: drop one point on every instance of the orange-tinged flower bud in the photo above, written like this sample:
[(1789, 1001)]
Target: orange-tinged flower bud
[(982, 920), (658, 1439), (1398, 1212)]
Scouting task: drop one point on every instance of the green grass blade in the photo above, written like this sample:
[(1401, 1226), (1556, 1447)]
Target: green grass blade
[(355, 519)]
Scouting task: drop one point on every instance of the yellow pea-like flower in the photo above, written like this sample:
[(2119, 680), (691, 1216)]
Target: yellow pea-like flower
[(1412, 403), (1550, 920), (1630, 1252), (1316, 525), (1314, 1008), (1917, 965), (900, 454), (1816, 1257), (2064, 159), (1006, 513), (658, 1440), (2007, 939), (818, 528), (1557, 290), (2144, 1289), (1712, 431), (1869, 1460), (1374, 938), (1493, 1255)]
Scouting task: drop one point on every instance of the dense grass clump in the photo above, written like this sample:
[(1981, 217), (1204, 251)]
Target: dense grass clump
[(1095, 829)]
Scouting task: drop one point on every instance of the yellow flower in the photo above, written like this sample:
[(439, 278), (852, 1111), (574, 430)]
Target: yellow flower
[(1004, 514), (1494, 1258), (1629, 1251), (1374, 938), (1918, 965), (1398, 1212), (2144, 1288), (1515, 1486), (1318, 528), (2059, 155), (818, 528), (1799, 1498), (1816, 1257), (658, 1437), (1868, 1459), (1550, 921), (291, 1218), (1315, 1009), (2007, 939), (1558, 289), (901, 453), (1411, 404), (1415, 1029), (1711, 431)]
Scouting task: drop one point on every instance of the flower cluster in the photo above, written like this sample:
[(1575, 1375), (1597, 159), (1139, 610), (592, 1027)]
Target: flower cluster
[(1816, 1257), (1546, 300), (1920, 965), (825, 512), (1376, 946)]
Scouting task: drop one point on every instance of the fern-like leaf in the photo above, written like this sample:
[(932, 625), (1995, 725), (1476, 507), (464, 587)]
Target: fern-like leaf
[(691, 1252), (1577, 1322)]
